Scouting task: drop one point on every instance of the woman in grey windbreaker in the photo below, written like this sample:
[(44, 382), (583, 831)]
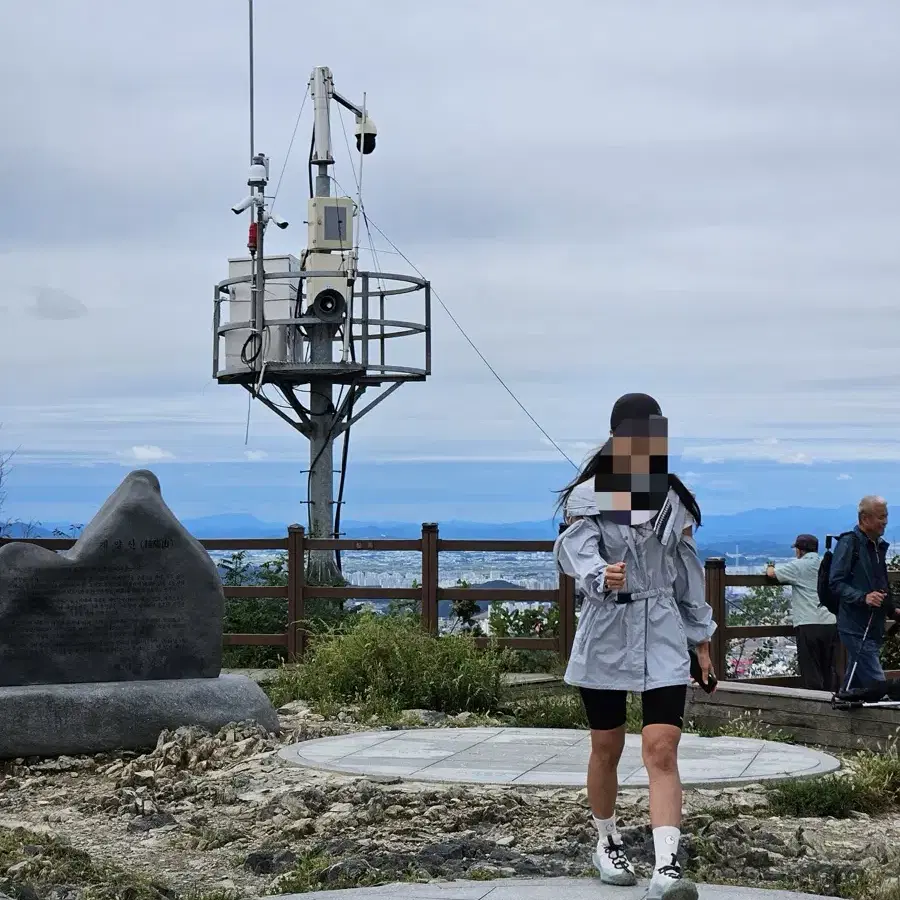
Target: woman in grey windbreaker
[(643, 606)]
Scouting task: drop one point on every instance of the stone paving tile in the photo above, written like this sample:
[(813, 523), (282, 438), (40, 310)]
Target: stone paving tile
[(467, 775), (521, 755), (405, 750), (533, 889)]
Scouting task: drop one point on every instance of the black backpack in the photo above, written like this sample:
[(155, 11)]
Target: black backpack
[(827, 597)]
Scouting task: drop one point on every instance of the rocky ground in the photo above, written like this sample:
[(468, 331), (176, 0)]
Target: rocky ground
[(223, 815)]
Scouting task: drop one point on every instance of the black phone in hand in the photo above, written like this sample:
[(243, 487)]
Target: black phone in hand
[(697, 674)]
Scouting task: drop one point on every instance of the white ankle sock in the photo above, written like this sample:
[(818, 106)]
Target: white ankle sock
[(607, 828), (665, 842)]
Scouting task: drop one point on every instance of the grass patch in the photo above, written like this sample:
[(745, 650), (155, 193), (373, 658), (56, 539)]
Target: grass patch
[(877, 776), (40, 863), (318, 871), (544, 661), (832, 795), (871, 785), (564, 709), (745, 725), (388, 663)]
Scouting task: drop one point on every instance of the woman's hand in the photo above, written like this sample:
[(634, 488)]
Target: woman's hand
[(615, 577), (702, 651)]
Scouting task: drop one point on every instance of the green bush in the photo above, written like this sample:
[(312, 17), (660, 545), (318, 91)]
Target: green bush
[(532, 621), (254, 616), (548, 711), (890, 653), (388, 663), (268, 615), (829, 796), (877, 777), (871, 785), (745, 725)]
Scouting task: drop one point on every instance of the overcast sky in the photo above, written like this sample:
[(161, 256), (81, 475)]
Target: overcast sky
[(696, 199)]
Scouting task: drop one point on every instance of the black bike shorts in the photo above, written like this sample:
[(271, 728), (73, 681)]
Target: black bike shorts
[(661, 706)]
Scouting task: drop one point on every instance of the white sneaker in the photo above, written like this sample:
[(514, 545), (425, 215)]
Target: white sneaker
[(612, 863), (668, 884)]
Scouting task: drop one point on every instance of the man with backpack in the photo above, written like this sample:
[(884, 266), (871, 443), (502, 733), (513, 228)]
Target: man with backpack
[(858, 579), (814, 625)]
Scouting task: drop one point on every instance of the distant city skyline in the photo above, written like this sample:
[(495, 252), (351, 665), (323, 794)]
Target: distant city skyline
[(490, 492)]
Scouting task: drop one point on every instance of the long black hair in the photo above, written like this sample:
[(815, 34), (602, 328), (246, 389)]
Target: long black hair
[(630, 406)]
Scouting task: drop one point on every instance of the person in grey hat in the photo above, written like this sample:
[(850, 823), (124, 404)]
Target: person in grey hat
[(814, 625)]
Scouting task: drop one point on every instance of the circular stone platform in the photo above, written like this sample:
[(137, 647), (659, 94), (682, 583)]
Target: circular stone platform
[(532, 889), (546, 756)]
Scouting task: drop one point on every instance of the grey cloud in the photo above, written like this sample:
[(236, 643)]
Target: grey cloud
[(704, 201), (851, 382), (56, 305)]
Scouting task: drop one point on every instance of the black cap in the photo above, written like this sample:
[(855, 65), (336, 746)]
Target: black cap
[(807, 543), (633, 406)]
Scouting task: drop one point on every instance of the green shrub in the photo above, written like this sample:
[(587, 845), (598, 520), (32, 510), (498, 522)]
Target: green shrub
[(268, 615), (548, 711), (829, 796), (871, 785), (390, 663), (50, 861), (876, 774), (745, 725), (245, 616), (890, 653), (545, 662)]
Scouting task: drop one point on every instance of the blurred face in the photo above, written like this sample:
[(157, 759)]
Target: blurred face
[(874, 521), (634, 475)]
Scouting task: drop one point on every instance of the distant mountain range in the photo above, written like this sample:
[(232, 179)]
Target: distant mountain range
[(757, 532)]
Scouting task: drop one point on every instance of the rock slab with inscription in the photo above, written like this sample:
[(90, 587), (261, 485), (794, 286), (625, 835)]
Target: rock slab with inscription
[(50, 720), (137, 598)]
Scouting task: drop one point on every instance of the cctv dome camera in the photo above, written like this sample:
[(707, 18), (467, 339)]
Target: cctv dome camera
[(365, 134)]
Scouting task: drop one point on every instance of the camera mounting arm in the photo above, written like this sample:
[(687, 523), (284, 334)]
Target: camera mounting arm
[(321, 87), (347, 104)]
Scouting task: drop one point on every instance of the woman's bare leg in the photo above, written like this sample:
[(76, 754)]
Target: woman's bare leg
[(659, 746), (602, 775)]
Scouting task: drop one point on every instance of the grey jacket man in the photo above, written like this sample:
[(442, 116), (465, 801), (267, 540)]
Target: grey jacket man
[(640, 642)]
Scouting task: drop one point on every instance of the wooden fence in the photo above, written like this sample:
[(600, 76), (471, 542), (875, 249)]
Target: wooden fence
[(430, 545), (717, 582), (296, 545)]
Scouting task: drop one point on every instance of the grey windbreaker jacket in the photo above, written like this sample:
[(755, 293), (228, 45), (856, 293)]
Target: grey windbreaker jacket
[(641, 645)]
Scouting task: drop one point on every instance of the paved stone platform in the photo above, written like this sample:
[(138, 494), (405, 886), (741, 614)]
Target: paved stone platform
[(545, 756), (532, 889)]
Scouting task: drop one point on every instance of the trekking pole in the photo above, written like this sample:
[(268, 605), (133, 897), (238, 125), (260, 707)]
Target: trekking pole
[(861, 646)]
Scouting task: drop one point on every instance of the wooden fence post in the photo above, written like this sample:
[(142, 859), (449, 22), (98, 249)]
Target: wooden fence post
[(715, 597), (430, 577), (566, 611), (296, 634)]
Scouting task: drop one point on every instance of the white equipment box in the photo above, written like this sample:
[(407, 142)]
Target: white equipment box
[(280, 303), (330, 223)]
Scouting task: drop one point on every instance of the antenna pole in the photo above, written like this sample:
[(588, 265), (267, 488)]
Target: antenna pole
[(252, 145), (321, 400)]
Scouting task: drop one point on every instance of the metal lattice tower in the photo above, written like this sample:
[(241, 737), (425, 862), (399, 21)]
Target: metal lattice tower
[(316, 323)]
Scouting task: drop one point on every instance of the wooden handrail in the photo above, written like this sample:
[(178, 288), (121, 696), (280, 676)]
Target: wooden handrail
[(717, 580), (429, 594)]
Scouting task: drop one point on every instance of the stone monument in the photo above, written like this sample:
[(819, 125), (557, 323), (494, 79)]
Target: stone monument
[(105, 645)]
